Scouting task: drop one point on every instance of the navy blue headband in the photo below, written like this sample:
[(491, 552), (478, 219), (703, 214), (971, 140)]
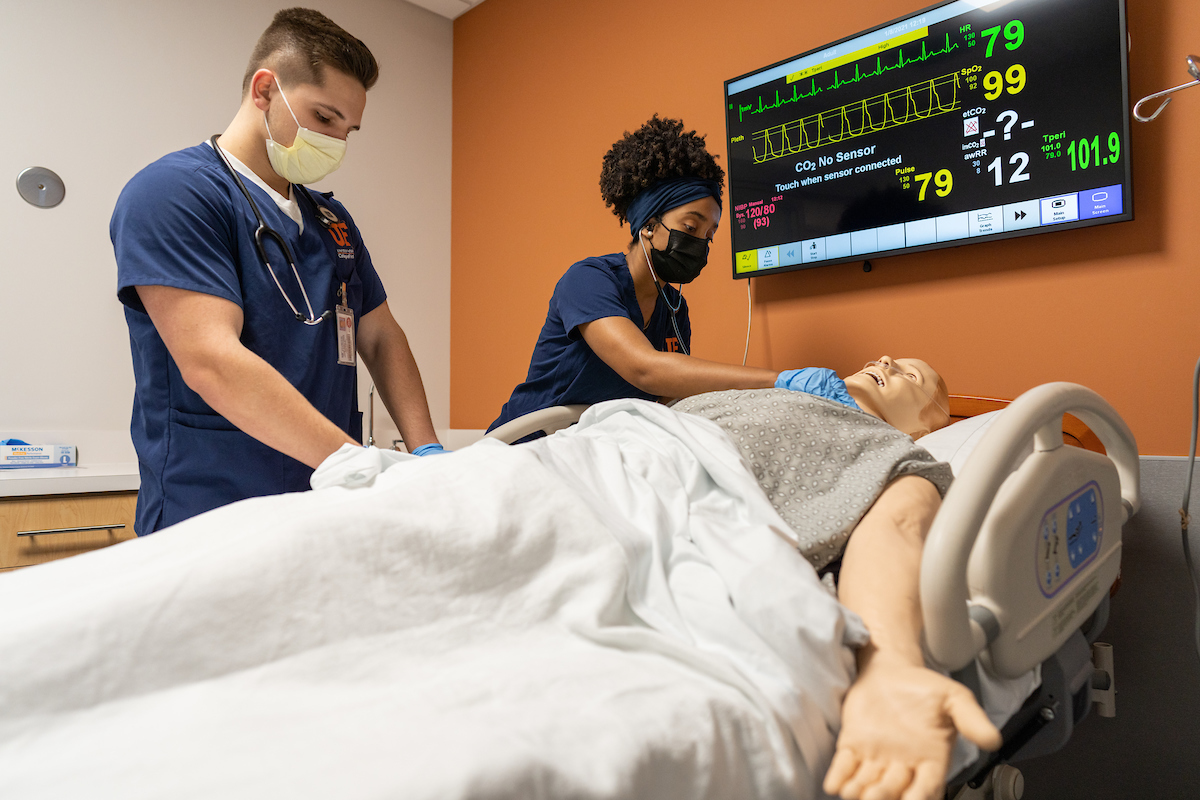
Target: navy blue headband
[(666, 195)]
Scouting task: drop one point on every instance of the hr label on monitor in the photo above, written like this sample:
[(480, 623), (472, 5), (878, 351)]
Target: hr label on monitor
[(956, 124)]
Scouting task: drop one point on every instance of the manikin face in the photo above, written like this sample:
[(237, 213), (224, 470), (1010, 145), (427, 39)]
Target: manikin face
[(903, 392), (334, 109)]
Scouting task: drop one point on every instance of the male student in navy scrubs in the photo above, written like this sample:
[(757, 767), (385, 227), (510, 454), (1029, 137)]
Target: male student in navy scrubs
[(245, 365)]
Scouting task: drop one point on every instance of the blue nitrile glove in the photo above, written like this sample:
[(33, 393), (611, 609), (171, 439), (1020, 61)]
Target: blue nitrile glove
[(431, 449), (817, 381), (13, 442)]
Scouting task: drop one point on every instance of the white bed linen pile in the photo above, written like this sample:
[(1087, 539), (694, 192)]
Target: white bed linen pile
[(614, 611)]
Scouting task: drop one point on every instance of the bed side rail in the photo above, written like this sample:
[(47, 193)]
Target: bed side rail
[(545, 420), (998, 597)]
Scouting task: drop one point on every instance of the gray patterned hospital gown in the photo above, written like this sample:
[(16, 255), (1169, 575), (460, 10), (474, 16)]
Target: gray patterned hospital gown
[(821, 464)]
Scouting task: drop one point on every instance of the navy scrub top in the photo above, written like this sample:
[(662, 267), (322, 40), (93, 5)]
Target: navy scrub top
[(563, 369), (183, 222)]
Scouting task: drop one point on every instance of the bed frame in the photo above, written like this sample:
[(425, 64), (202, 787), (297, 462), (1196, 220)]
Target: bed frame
[(1075, 432)]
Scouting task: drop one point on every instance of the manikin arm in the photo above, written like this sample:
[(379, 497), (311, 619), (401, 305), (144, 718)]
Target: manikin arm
[(899, 719), (623, 347)]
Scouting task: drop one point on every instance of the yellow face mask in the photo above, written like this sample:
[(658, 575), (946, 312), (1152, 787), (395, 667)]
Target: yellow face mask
[(310, 157)]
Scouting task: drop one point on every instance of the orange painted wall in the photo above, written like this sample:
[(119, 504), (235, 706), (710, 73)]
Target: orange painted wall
[(543, 87)]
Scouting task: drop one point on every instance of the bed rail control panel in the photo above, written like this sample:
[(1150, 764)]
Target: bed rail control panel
[(1071, 533), (1044, 531), (1035, 542)]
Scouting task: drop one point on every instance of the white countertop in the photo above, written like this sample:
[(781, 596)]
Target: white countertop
[(107, 463), (119, 477), (118, 471)]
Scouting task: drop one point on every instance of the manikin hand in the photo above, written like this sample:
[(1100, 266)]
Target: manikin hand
[(899, 723)]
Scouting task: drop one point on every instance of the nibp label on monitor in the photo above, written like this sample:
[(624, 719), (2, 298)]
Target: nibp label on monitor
[(965, 122)]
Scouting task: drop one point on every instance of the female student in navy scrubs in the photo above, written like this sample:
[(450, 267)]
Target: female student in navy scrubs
[(616, 327)]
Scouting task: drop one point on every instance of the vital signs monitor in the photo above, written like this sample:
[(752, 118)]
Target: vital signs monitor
[(965, 122)]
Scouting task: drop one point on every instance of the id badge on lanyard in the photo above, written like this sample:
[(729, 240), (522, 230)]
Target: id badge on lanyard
[(340, 250), (345, 331)]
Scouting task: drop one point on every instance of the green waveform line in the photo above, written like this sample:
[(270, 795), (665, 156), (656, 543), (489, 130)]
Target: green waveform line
[(880, 68)]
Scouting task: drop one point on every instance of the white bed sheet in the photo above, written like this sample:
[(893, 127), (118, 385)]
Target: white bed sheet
[(614, 611)]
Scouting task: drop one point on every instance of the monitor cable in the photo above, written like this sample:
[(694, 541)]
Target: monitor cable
[(1183, 511), (749, 314)]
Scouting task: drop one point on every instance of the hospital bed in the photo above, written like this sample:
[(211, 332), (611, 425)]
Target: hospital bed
[(997, 597), (520, 621)]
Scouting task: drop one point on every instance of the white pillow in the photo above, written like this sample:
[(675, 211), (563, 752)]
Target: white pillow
[(954, 443)]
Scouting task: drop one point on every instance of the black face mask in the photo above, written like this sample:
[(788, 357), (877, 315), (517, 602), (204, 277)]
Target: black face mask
[(682, 259)]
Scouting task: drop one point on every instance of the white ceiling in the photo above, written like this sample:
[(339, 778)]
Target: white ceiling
[(450, 9)]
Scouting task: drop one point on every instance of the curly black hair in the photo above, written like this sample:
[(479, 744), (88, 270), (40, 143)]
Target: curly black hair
[(658, 150)]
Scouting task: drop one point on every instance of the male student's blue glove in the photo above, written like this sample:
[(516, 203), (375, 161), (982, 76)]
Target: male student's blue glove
[(431, 449)]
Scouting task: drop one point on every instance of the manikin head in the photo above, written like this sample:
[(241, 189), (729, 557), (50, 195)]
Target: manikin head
[(906, 393)]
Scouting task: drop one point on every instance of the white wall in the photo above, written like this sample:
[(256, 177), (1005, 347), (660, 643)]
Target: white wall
[(97, 90)]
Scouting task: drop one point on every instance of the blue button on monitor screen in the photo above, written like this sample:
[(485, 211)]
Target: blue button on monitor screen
[(864, 242), (1063, 208), (813, 250), (1100, 202), (791, 254), (1026, 214), (952, 226), (838, 245), (983, 221), (890, 237), (768, 257), (919, 232)]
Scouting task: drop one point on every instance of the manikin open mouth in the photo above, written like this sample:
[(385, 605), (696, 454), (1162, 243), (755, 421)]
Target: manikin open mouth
[(885, 368)]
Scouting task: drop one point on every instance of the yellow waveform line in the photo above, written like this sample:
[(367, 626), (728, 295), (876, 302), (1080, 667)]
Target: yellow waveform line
[(873, 114)]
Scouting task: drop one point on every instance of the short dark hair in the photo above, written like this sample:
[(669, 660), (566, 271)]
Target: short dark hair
[(655, 152), (300, 42)]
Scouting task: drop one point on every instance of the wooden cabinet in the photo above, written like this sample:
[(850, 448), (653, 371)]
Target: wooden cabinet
[(38, 529)]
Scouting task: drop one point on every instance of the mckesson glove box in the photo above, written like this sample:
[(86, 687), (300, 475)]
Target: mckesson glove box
[(14, 456)]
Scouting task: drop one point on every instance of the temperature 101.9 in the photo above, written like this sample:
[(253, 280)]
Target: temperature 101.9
[(1086, 153)]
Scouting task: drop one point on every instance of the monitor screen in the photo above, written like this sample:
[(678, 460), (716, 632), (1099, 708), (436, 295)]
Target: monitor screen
[(966, 122)]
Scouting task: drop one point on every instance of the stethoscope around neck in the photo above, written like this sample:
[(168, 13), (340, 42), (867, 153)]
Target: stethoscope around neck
[(265, 230), (674, 309)]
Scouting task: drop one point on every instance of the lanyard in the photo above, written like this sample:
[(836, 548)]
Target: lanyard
[(337, 244)]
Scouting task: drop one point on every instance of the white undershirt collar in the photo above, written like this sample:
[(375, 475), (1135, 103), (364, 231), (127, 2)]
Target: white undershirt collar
[(287, 205)]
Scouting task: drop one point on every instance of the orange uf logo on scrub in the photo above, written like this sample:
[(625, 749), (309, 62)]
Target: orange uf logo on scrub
[(340, 234), (673, 345)]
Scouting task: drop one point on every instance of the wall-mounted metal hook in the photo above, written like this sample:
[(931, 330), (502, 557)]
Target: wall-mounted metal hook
[(1193, 70)]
